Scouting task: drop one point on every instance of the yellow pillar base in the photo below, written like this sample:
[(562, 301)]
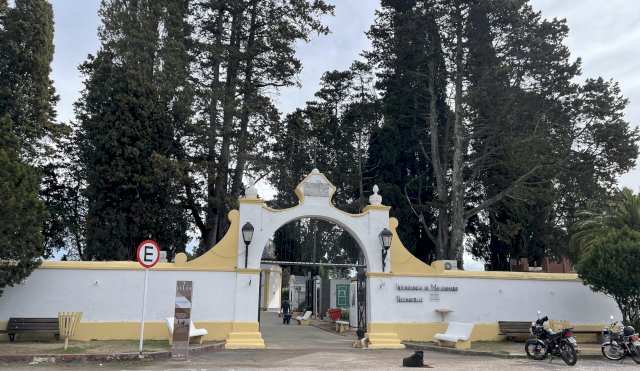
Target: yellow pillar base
[(245, 335), (383, 336)]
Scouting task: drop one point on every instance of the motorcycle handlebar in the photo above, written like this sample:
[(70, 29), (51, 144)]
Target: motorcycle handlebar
[(542, 320)]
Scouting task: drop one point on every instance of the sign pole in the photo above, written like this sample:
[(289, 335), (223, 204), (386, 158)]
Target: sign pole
[(148, 254), (144, 303)]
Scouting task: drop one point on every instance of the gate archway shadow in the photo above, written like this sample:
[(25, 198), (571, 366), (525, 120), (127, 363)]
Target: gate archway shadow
[(279, 336)]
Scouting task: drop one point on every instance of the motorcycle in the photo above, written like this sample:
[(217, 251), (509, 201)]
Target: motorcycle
[(621, 343), (547, 343)]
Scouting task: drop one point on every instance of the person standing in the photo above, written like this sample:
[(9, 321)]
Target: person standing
[(286, 312)]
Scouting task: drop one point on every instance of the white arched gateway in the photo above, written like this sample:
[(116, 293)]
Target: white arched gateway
[(407, 300), (314, 194)]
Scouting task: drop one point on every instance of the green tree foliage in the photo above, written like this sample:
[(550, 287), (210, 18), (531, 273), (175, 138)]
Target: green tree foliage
[(134, 106), (611, 267), (21, 212), (331, 133), (27, 132), (623, 211), (244, 51), (27, 94), (485, 134)]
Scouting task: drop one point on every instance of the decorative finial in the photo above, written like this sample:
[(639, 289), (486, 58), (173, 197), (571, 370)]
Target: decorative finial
[(375, 198), (315, 171), (251, 191)]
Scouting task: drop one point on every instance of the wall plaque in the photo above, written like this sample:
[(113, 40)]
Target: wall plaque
[(317, 189)]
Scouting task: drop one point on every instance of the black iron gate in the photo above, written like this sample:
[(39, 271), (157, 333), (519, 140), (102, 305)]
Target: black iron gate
[(362, 302)]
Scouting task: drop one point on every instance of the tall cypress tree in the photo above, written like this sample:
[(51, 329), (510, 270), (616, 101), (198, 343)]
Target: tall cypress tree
[(27, 94), (27, 100), (135, 102), (21, 212)]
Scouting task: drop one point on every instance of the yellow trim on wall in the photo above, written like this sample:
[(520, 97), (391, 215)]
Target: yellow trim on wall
[(224, 255), (402, 262), (248, 270), (378, 274), (153, 330), (375, 208), (251, 201)]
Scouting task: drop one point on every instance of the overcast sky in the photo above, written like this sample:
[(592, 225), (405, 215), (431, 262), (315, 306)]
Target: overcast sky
[(604, 33)]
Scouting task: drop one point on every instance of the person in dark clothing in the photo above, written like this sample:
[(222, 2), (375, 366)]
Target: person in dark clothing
[(286, 312)]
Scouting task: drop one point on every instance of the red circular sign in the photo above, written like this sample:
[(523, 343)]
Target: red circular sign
[(148, 253)]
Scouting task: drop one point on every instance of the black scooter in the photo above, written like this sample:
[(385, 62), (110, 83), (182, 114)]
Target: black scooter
[(547, 343)]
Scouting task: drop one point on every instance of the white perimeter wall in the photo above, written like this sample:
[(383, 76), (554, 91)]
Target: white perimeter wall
[(489, 301), (116, 295)]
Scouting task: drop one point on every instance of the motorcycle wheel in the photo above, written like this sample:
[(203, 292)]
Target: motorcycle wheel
[(635, 353), (612, 352), (568, 353), (535, 349)]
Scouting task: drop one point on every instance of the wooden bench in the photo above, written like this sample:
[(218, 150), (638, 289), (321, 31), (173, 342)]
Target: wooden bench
[(341, 326), (31, 325), (457, 333), (515, 329)]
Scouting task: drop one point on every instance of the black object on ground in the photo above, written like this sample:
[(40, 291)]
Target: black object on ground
[(415, 360)]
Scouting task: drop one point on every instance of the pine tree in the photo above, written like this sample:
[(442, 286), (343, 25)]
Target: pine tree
[(135, 103), (244, 50)]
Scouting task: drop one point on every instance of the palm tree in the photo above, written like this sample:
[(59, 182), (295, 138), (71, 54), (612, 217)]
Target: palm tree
[(624, 211)]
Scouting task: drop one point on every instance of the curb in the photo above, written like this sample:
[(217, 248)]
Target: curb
[(55, 358), (483, 352)]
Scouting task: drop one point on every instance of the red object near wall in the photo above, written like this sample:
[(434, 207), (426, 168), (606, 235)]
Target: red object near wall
[(334, 314)]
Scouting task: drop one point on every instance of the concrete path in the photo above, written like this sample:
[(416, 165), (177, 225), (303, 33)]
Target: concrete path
[(293, 336)]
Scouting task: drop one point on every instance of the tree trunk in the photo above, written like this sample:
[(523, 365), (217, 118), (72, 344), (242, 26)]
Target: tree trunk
[(229, 108), (458, 224), (241, 161), (207, 231), (441, 185)]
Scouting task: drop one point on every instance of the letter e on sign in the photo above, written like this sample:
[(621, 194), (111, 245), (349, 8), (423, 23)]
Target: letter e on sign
[(148, 253)]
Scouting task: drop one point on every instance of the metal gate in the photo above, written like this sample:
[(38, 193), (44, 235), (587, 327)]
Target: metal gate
[(362, 302)]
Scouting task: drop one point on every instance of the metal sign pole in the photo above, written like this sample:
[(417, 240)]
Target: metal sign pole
[(144, 302)]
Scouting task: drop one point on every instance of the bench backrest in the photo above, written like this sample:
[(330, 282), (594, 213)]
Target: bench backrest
[(33, 324), (460, 329), (306, 315), (514, 326)]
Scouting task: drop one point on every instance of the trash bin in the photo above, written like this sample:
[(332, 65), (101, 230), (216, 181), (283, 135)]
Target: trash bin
[(68, 321)]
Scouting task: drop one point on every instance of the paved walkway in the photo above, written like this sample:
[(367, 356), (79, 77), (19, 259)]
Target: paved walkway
[(293, 336)]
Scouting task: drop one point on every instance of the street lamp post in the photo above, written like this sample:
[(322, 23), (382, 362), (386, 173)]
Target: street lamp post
[(247, 235), (385, 240)]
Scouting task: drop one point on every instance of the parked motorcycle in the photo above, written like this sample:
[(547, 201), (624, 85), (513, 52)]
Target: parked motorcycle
[(547, 343), (621, 343)]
